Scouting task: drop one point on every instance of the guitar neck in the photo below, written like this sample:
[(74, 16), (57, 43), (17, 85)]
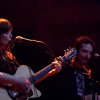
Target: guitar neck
[(47, 69), (41, 73)]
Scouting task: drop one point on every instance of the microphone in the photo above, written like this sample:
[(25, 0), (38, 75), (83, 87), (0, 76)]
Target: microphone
[(20, 39), (96, 55)]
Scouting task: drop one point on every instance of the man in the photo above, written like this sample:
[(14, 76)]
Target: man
[(72, 82), (8, 63)]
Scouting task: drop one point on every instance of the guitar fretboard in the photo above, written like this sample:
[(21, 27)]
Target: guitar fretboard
[(47, 69), (41, 73)]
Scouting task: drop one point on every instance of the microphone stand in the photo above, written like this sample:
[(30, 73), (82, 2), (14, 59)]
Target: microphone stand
[(45, 46)]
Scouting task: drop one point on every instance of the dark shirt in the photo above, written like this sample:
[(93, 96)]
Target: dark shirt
[(7, 64)]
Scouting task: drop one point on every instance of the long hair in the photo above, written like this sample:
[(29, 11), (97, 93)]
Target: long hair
[(5, 26)]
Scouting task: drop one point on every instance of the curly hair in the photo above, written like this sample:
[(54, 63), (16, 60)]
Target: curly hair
[(83, 39)]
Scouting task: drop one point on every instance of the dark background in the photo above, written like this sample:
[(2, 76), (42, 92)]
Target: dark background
[(55, 22)]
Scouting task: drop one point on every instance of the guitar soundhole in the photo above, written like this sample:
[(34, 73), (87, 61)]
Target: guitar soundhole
[(19, 94), (12, 94)]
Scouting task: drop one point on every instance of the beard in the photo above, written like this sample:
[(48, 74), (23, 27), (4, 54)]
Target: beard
[(84, 60)]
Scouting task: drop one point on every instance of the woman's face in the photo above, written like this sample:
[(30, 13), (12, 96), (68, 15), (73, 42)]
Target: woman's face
[(5, 38)]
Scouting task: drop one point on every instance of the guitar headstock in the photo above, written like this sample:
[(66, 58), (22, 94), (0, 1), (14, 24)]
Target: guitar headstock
[(69, 54)]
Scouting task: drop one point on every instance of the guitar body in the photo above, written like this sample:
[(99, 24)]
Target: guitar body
[(23, 72)]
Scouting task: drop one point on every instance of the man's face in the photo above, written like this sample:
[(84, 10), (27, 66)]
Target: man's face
[(85, 53)]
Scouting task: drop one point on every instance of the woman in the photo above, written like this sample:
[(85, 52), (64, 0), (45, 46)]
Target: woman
[(8, 63)]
